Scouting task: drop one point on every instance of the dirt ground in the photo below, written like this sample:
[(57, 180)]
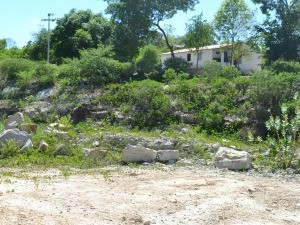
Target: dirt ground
[(147, 196)]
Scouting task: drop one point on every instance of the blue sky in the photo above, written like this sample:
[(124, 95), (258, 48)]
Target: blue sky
[(19, 19)]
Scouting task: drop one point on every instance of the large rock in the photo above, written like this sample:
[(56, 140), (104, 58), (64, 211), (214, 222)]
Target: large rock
[(232, 159), (15, 134), (138, 154), (14, 120), (95, 152), (29, 128), (167, 155)]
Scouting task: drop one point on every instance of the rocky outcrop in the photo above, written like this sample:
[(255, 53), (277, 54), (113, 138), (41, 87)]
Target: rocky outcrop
[(20, 137), (167, 155), (138, 154), (232, 159), (14, 120), (95, 152)]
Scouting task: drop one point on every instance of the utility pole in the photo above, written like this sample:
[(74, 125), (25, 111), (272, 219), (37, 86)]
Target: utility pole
[(49, 20)]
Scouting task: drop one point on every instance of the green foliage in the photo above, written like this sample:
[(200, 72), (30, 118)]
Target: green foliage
[(79, 30), (269, 92), (45, 74), (170, 75), (9, 149), (199, 34), (280, 29), (285, 66), (178, 64), (233, 22), (9, 68), (95, 68), (132, 34), (144, 102), (284, 139), (148, 60), (213, 70)]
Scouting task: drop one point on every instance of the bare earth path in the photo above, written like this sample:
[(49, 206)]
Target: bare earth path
[(148, 196)]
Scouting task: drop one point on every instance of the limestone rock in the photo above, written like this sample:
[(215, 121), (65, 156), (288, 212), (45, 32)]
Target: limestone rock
[(43, 146), (29, 128), (15, 134), (62, 150), (28, 145), (95, 152), (167, 155), (138, 154), (14, 120), (232, 159)]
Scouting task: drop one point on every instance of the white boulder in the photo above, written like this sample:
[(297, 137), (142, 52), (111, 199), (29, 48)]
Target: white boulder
[(15, 134), (232, 159), (167, 155), (138, 154)]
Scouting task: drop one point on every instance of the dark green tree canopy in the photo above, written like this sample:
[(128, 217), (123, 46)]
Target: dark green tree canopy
[(281, 29), (79, 30), (138, 17)]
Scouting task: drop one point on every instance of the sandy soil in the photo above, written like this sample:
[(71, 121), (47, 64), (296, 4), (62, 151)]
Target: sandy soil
[(148, 196)]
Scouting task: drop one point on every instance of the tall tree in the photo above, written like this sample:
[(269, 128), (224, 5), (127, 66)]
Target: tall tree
[(140, 16), (281, 29), (199, 34), (79, 30), (233, 22)]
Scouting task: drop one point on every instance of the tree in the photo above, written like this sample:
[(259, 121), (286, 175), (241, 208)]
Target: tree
[(233, 22), (199, 34), (79, 30), (148, 59), (37, 48), (138, 17), (281, 29)]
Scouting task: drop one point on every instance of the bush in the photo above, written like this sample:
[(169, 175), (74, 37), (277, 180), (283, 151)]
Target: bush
[(212, 70), (171, 75), (269, 92), (45, 74), (143, 101), (180, 65), (95, 68), (285, 66), (9, 68), (148, 60)]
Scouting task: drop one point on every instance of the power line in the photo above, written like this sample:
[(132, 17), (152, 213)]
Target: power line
[(49, 20)]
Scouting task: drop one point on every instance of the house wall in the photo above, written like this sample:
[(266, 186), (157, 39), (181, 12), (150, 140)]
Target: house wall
[(249, 63)]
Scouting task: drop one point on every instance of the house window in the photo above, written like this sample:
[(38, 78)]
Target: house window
[(216, 55), (189, 57), (200, 56)]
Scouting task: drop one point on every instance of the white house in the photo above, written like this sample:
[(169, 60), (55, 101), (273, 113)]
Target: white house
[(250, 62)]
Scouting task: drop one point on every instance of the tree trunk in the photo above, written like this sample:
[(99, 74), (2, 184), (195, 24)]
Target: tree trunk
[(166, 39)]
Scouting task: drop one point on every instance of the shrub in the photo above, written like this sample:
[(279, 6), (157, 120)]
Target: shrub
[(171, 75), (45, 74), (148, 60), (285, 66), (143, 101), (96, 68), (177, 64), (213, 69), (9, 68), (284, 139)]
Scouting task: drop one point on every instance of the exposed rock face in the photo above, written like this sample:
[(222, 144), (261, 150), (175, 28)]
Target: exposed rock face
[(28, 145), (138, 154), (43, 146), (14, 120), (20, 137), (29, 128), (232, 159), (167, 155), (95, 152)]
